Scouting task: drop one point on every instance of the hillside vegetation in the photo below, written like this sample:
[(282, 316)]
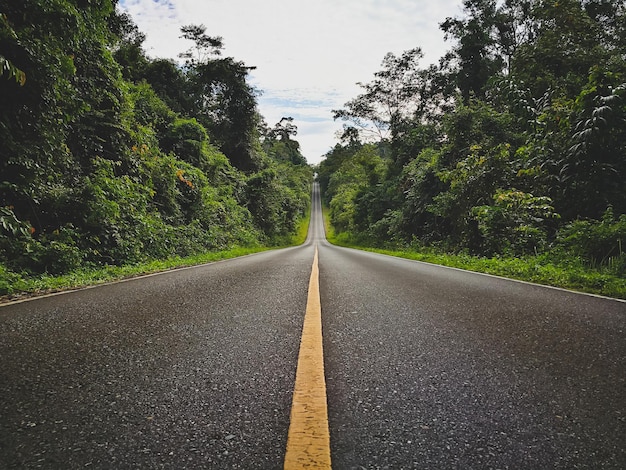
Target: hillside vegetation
[(111, 158), (512, 147)]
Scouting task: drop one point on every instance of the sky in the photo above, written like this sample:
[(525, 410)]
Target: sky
[(309, 54)]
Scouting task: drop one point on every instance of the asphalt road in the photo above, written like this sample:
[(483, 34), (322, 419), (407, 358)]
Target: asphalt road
[(426, 367)]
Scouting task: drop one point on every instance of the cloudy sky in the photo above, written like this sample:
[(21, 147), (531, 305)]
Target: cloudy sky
[(309, 54)]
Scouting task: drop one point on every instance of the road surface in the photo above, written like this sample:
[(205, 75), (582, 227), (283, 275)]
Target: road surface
[(426, 367)]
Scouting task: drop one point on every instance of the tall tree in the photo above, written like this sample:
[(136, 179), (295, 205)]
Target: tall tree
[(397, 92), (565, 43), (223, 101), (476, 53), (279, 145)]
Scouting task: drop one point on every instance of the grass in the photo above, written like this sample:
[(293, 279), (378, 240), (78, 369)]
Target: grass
[(302, 230), (568, 273), (14, 286)]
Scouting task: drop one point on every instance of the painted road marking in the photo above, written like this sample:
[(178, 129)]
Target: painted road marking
[(308, 441)]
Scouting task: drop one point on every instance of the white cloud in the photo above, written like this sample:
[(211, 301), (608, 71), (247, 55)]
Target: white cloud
[(309, 54)]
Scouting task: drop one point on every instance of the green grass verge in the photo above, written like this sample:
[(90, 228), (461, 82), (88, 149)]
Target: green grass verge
[(14, 286), (567, 273), (302, 230)]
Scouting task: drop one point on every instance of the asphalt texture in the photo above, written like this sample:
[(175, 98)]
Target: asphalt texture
[(188, 369), (433, 368), (426, 367)]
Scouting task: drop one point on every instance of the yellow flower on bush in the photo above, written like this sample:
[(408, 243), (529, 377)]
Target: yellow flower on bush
[(179, 174)]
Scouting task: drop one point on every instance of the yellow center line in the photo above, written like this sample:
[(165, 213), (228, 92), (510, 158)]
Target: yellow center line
[(308, 441)]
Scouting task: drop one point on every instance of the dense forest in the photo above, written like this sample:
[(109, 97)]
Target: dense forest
[(109, 157), (512, 145)]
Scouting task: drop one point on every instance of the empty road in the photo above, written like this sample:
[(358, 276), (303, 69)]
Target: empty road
[(426, 367)]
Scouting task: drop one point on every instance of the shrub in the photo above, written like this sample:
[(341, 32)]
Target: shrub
[(514, 222), (9, 280), (598, 242)]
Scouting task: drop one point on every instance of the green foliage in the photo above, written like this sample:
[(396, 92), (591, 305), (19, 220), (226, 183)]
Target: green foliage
[(9, 280), (475, 124), (421, 183), (475, 46), (279, 145), (113, 205), (514, 223), (170, 83), (334, 160), (16, 285), (58, 252), (222, 100), (15, 237), (105, 153), (11, 225), (365, 168), (127, 46), (514, 144), (278, 197), (389, 98), (565, 43), (594, 165), (549, 269), (599, 243), (471, 183), (148, 109), (186, 138), (6, 66)]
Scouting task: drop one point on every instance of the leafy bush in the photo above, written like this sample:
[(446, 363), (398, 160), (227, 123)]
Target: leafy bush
[(9, 280), (514, 223), (59, 251), (15, 239), (149, 109), (114, 204), (598, 242), (10, 224), (186, 139)]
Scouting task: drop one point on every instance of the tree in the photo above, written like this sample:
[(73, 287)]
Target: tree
[(171, 84), (513, 144), (95, 165), (594, 167), (565, 43), (476, 52), (397, 92), (283, 130), (222, 99), (279, 145), (128, 46), (205, 47)]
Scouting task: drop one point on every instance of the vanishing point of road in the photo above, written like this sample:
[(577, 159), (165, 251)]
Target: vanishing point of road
[(417, 366)]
